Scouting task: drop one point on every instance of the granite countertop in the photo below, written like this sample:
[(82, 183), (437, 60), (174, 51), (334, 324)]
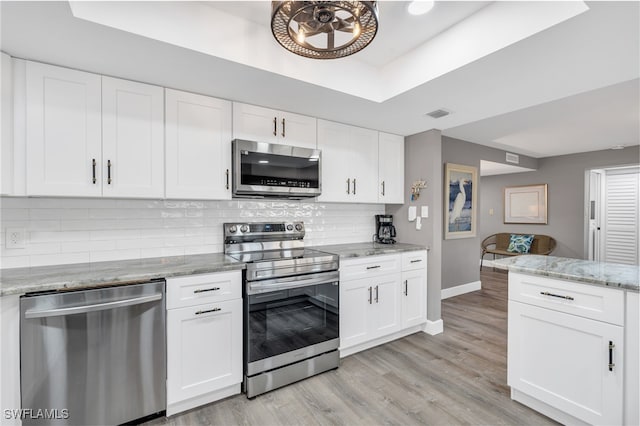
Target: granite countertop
[(586, 271), (348, 251), (24, 280), (42, 278)]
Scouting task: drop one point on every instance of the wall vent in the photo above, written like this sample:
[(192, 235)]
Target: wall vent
[(512, 158), (438, 113)]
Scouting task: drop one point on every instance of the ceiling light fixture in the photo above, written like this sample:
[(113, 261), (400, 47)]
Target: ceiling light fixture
[(420, 7), (324, 29)]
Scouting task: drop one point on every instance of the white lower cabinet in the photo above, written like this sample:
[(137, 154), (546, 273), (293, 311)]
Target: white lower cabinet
[(204, 340), (380, 300), (564, 365)]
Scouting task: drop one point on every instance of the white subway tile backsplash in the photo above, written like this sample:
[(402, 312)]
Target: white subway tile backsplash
[(75, 230)]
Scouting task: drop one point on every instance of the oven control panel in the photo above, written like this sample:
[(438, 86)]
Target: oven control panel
[(257, 231)]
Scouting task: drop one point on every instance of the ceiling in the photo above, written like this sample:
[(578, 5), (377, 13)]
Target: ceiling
[(535, 78), (491, 168)]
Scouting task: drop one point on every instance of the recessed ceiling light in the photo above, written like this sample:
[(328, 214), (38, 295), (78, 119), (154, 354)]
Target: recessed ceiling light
[(420, 7)]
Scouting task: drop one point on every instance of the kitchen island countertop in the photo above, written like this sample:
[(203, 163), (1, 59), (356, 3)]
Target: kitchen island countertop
[(614, 275)]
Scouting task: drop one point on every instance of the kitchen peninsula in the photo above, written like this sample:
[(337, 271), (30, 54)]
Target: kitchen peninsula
[(573, 338)]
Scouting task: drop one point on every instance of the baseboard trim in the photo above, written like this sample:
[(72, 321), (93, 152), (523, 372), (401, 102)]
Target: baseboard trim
[(460, 289), (434, 327)]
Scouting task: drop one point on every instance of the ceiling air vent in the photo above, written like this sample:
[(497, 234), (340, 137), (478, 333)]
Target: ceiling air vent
[(438, 113), (512, 158)]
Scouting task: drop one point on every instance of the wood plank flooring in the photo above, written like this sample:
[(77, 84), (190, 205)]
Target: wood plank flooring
[(457, 377)]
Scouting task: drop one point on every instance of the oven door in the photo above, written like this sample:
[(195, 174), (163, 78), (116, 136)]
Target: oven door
[(290, 321), (263, 169)]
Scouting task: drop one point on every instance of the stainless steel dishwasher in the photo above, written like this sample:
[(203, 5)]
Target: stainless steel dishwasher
[(99, 354)]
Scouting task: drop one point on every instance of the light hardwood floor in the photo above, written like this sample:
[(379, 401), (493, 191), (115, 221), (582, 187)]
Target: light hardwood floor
[(457, 377)]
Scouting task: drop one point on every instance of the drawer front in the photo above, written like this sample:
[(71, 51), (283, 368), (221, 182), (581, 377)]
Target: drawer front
[(588, 301), (414, 260), (369, 267), (198, 289)]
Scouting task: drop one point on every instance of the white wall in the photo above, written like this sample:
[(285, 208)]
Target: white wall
[(65, 230)]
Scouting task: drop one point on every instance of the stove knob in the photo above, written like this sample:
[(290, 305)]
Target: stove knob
[(289, 227), (298, 227), (233, 229), (244, 228)]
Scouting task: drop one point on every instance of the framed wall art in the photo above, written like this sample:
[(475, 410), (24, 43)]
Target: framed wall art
[(525, 204), (460, 188)]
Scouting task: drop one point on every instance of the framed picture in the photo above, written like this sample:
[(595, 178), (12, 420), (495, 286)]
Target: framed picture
[(460, 201), (525, 204)]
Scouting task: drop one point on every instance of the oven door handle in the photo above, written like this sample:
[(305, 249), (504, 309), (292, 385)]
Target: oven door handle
[(256, 287)]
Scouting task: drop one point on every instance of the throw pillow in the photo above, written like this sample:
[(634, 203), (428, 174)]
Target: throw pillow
[(520, 243)]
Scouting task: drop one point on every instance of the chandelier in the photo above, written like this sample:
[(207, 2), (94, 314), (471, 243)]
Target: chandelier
[(324, 29)]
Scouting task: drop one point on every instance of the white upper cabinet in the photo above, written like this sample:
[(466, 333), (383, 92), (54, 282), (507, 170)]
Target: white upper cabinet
[(390, 168), (6, 144), (63, 131), (259, 124), (132, 139), (198, 146), (349, 163)]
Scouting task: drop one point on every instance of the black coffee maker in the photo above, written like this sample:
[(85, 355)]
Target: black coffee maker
[(385, 231)]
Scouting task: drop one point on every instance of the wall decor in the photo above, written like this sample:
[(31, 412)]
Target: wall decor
[(460, 201), (416, 187), (525, 204)]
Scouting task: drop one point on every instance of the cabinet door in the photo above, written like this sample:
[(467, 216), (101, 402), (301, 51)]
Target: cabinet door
[(563, 360), (414, 297), (204, 349), (198, 146), (334, 141), (349, 163), (297, 130), (390, 168), (64, 131), (6, 137), (363, 164), (386, 306), (356, 298), (132, 139), (254, 123)]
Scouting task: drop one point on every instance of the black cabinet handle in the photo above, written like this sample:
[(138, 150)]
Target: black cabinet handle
[(376, 294), (370, 295), (383, 188), (416, 261), (208, 311), (373, 267), (354, 186), (93, 165), (202, 290), (406, 287), (349, 186), (283, 128), (227, 173), (546, 293), (611, 364), (108, 172), (275, 126)]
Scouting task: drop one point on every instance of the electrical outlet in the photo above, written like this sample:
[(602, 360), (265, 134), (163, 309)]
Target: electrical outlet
[(15, 238)]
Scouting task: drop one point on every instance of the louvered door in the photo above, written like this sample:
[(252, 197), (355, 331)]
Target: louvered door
[(621, 216)]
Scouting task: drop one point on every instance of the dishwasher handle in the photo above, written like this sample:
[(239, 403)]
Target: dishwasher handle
[(91, 308)]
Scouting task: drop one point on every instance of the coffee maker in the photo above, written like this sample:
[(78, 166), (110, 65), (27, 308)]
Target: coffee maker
[(385, 231)]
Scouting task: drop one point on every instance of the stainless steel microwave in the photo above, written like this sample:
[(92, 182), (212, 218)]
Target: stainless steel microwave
[(263, 169)]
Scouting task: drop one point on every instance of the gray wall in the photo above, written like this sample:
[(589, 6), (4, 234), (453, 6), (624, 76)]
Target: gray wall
[(565, 176), (423, 161)]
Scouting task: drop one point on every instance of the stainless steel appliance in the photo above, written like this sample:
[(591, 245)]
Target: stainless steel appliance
[(271, 170), (99, 354), (385, 231), (291, 304)]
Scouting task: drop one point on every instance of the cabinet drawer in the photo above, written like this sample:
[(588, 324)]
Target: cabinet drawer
[(369, 267), (198, 289), (588, 301), (414, 260)]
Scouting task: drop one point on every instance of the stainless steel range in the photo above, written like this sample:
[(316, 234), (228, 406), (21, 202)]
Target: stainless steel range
[(291, 304)]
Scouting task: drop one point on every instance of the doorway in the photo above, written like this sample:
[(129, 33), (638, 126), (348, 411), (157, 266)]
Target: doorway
[(613, 215)]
